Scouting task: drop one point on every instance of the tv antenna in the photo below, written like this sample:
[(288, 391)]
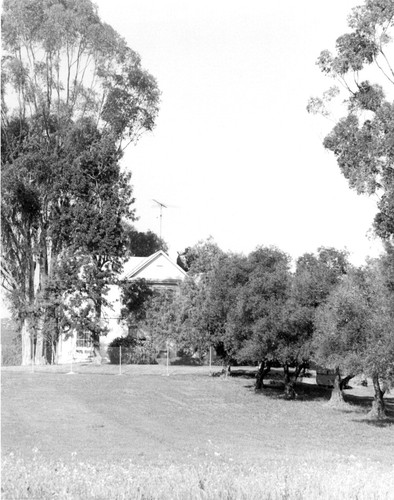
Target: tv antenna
[(161, 205)]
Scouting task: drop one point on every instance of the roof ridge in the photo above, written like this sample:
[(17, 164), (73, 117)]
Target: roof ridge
[(145, 261)]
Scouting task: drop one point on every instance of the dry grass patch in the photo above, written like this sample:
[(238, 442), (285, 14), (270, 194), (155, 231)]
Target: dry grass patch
[(346, 479)]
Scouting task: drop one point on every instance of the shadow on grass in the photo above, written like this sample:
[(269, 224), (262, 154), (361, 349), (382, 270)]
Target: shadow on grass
[(387, 422), (365, 402), (274, 388), (360, 405), (244, 373), (185, 361), (311, 392), (305, 392)]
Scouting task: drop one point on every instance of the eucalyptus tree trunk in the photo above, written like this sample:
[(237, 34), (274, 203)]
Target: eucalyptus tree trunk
[(40, 281), (26, 343), (40, 346), (27, 332)]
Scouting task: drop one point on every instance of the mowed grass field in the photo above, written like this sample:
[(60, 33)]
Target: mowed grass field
[(145, 435)]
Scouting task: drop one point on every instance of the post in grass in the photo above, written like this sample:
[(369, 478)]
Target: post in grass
[(120, 360), (71, 372), (32, 354), (167, 360)]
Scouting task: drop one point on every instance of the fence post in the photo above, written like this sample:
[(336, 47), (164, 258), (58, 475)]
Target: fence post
[(167, 359), (32, 353), (120, 360), (71, 368)]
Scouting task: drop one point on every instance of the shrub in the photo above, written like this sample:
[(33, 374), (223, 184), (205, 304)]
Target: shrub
[(141, 352), (127, 344), (145, 353)]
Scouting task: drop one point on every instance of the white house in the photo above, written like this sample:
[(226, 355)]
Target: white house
[(158, 270)]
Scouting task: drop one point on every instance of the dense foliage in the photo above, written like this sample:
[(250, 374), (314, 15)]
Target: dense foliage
[(142, 244), (73, 96), (362, 140), (255, 309)]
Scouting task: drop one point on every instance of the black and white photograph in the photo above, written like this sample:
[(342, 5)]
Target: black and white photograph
[(197, 250)]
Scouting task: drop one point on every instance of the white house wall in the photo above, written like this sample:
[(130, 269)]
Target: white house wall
[(111, 316), (66, 349)]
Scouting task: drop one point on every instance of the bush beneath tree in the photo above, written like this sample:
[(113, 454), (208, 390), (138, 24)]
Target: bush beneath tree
[(131, 351)]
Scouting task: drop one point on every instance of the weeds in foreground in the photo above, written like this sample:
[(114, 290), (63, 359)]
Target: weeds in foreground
[(346, 479)]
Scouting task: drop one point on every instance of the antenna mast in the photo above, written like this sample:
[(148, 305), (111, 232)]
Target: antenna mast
[(161, 205)]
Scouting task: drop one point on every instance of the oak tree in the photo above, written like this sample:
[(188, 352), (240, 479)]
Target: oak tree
[(258, 322), (195, 312), (354, 329), (315, 277)]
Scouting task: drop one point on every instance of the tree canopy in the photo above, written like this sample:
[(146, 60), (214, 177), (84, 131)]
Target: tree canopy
[(354, 328), (73, 96), (362, 140), (142, 244)]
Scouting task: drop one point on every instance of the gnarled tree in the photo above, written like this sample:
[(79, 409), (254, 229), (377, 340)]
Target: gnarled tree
[(354, 329)]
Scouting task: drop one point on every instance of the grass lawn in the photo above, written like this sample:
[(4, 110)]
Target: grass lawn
[(147, 435)]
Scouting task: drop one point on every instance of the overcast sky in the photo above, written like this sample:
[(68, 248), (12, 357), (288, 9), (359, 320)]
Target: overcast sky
[(234, 154)]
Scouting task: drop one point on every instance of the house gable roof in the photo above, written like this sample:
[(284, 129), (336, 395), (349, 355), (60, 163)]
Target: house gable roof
[(157, 267)]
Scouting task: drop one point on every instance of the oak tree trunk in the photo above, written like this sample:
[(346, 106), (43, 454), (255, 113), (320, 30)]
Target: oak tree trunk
[(378, 410), (262, 372), (290, 392), (337, 398), (289, 384), (345, 380)]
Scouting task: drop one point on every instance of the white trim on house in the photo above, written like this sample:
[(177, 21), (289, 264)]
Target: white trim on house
[(135, 265)]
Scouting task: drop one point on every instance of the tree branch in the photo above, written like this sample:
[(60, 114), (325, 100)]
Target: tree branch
[(388, 64)]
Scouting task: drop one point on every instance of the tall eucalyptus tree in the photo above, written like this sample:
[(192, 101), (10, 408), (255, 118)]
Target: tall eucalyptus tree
[(362, 68), (74, 95)]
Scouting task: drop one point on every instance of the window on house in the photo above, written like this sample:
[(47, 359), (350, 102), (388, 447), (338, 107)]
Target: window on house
[(84, 339)]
